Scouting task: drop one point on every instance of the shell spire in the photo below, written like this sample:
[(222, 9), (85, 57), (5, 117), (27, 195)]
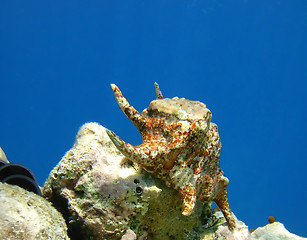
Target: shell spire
[(136, 118), (189, 203), (127, 149), (158, 91)]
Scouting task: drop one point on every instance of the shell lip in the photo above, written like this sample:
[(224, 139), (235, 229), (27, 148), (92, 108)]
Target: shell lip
[(23, 182), (17, 174)]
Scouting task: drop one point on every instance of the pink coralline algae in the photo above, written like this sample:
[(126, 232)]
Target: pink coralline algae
[(181, 146)]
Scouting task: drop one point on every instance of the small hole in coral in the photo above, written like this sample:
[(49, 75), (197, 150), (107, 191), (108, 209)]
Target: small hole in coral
[(136, 181), (139, 190)]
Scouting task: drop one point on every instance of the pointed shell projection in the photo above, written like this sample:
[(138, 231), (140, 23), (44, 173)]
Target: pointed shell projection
[(180, 146)]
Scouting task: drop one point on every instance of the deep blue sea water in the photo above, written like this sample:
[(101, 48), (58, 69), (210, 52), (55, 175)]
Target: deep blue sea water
[(247, 60)]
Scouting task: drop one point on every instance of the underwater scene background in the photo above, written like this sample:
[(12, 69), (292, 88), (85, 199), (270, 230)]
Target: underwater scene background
[(246, 60)]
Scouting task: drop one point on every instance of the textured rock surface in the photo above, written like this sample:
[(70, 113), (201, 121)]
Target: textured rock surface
[(217, 229), (104, 196), (274, 230), (25, 215)]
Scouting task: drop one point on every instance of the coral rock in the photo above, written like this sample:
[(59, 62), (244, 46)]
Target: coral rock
[(274, 230), (25, 215), (103, 195)]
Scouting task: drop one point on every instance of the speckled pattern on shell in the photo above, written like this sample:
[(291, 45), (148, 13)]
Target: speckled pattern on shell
[(180, 146)]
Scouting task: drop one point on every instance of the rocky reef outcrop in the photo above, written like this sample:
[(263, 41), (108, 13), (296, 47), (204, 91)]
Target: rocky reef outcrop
[(107, 189), (103, 195)]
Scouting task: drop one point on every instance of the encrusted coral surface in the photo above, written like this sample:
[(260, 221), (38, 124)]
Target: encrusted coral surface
[(25, 215), (103, 195), (274, 230), (181, 146)]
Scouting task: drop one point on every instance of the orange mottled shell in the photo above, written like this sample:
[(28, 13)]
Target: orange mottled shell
[(180, 146)]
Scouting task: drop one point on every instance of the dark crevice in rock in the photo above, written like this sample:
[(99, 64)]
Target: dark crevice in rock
[(75, 228)]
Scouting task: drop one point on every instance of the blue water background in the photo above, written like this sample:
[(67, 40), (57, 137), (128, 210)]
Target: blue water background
[(247, 60)]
